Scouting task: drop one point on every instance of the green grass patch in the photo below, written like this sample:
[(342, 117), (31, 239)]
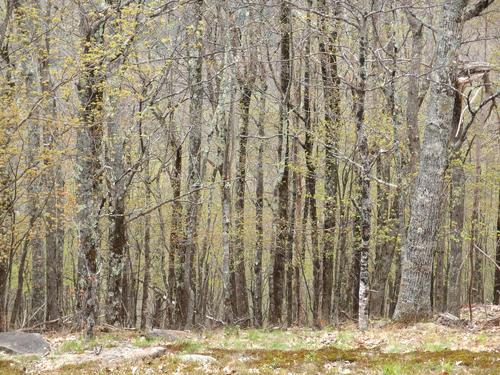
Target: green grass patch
[(145, 341), (72, 346), (191, 347), (392, 368)]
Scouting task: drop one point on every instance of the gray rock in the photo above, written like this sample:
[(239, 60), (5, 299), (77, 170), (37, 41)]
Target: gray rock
[(200, 358), (23, 343), (169, 334)]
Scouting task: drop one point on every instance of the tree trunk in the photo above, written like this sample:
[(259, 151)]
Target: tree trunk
[(16, 308), (147, 234), (239, 205), (259, 208), (474, 241), (194, 168), (34, 208), (291, 236), (454, 300), (364, 179), (299, 311), (496, 286), (117, 227), (53, 244), (414, 295), (387, 212), (176, 229), (88, 172), (331, 90), (278, 272), (310, 181), (414, 100), (223, 124), (438, 298)]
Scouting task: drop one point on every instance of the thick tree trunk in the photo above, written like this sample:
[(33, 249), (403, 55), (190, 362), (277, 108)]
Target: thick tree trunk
[(414, 100), (414, 295), (88, 173), (438, 295)]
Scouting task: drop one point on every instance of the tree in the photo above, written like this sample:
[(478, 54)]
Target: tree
[(194, 182), (414, 294), (279, 251)]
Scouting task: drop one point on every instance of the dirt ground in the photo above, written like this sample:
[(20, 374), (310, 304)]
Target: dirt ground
[(437, 347)]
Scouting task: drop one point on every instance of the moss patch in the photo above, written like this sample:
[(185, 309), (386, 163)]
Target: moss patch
[(10, 368)]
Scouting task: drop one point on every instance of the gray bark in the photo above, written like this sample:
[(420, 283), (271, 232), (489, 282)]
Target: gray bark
[(454, 301), (387, 212), (88, 172), (147, 239), (223, 126), (496, 286), (34, 206), (415, 98), (310, 180), (259, 208), (414, 294), (117, 228), (239, 243), (364, 179), (279, 251), (194, 179), (331, 89)]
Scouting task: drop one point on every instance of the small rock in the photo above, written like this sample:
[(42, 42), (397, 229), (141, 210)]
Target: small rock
[(197, 358), (23, 343), (451, 320)]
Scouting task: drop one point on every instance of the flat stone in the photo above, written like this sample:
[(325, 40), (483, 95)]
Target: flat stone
[(108, 357), (23, 343), (200, 358), (169, 334)]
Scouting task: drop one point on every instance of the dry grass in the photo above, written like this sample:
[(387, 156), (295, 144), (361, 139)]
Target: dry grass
[(423, 348)]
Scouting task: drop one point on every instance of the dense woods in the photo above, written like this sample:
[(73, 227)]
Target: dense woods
[(200, 163)]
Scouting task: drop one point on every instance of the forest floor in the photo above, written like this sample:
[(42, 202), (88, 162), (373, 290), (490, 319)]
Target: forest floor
[(386, 348)]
